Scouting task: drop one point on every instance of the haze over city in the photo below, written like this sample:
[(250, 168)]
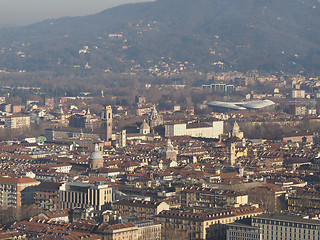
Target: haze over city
[(21, 12), (160, 120)]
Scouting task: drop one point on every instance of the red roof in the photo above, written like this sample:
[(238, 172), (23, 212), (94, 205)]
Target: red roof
[(17, 180)]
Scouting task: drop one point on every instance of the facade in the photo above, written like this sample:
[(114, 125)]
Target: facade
[(61, 134), (47, 195), (286, 227), (201, 225), (219, 87), (83, 121), (201, 130), (304, 200), (121, 138), (84, 195), (242, 232), (123, 231), (16, 192), (140, 101), (209, 198), (298, 93), (106, 124), (5, 107), (17, 121), (143, 110), (139, 208), (147, 230), (16, 108), (49, 102)]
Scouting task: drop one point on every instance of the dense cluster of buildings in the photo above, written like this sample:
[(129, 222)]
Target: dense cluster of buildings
[(148, 174)]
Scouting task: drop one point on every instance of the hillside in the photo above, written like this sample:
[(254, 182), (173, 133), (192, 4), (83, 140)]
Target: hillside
[(205, 35)]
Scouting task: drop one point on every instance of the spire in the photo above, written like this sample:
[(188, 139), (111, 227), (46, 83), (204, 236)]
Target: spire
[(235, 126), (154, 113)]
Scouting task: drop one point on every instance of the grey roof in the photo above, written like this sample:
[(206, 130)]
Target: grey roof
[(287, 218), (256, 104), (96, 155)]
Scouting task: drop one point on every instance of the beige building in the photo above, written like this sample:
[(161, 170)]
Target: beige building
[(145, 230), (139, 208), (298, 93), (304, 200), (286, 227), (17, 121), (123, 231), (148, 230), (207, 197), (198, 225), (16, 192), (84, 195)]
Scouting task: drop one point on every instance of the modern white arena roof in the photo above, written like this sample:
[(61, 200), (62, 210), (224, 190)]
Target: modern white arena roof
[(256, 104)]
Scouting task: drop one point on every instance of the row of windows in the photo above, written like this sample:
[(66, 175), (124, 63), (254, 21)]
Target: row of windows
[(246, 235), (283, 223)]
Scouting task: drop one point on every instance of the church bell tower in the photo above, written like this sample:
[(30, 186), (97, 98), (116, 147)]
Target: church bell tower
[(106, 124)]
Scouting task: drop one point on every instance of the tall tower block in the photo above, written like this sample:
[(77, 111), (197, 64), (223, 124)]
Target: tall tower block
[(232, 154), (106, 124)]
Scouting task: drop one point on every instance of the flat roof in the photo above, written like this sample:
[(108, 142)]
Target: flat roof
[(255, 104), (287, 217)]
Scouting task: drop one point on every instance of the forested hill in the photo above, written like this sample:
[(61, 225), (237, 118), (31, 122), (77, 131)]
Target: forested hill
[(270, 35)]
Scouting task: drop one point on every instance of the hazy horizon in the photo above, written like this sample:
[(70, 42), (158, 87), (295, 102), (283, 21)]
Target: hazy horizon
[(22, 12)]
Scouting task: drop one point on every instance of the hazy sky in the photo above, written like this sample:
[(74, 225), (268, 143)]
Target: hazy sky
[(22, 12)]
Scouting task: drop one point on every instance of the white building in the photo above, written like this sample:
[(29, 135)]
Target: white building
[(17, 121), (85, 195), (286, 227), (202, 130)]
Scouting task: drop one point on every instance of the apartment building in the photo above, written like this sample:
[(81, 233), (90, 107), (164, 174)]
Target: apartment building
[(201, 225), (17, 121), (304, 200), (207, 197), (123, 231), (139, 208), (47, 195), (241, 231), (16, 192), (147, 230), (286, 227)]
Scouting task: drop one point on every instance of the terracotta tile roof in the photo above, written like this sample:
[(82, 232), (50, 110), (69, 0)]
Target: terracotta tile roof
[(121, 226), (17, 180)]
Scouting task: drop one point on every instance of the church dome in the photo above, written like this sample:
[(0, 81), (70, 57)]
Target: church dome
[(96, 155), (96, 159)]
